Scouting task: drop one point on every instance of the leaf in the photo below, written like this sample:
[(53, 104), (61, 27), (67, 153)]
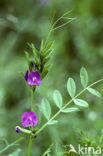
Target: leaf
[(52, 122), (34, 52), (46, 67), (15, 153), (49, 45), (42, 45), (57, 97), (71, 87), (46, 109), (47, 59), (27, 56), (80, 102), (47, 152), (68, 110), (94, 92), (48, 52), (44, 74), (84, 77), (34, 49)]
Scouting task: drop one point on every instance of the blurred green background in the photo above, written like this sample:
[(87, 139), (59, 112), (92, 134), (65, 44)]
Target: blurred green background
[(80, 43)]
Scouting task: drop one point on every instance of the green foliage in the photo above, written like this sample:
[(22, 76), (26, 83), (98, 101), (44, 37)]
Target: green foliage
[(40, 59), (79, 43), (49, 45), (90, 139), (27, 56), (58, 98), (35, 53), (94, 92), (84, 77), (68, 110), (71, 87), (46, 109), (80, 102), (48, 151), (15, 143), (52, 122), (42, 46), (65, 17)]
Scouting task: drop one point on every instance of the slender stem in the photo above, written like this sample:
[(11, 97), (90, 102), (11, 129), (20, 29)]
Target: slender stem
[(62, 25), (10, 145), (67, 105), (32, 100), (30, 146), (32, 108), (53, 25)]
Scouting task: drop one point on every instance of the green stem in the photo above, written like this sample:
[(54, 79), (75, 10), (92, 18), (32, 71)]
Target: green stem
[(11, 145), (30, 146), (53, 25), (32, 108), (66, 106), (32, 100)]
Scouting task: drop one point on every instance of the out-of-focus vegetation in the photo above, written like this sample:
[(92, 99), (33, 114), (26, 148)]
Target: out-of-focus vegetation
[(80, 43)]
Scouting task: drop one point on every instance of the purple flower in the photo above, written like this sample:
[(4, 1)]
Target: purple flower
[(29, 119), (33, 78), (17, 129), (26, 75)]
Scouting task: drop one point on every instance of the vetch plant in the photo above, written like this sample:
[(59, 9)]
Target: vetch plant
[(38, 67), (34, 77)]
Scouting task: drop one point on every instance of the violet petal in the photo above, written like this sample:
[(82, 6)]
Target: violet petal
[(26, 75), (17, 129), (29, 119), (34, 78)]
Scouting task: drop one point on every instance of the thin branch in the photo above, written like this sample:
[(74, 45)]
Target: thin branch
[(66, 105), (10, 145), (53, 25), (63, 24), (5, 141)]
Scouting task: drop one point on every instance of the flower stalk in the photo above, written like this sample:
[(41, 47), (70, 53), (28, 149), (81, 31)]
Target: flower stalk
[(32, 98), (30, 145), (32, 108)]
